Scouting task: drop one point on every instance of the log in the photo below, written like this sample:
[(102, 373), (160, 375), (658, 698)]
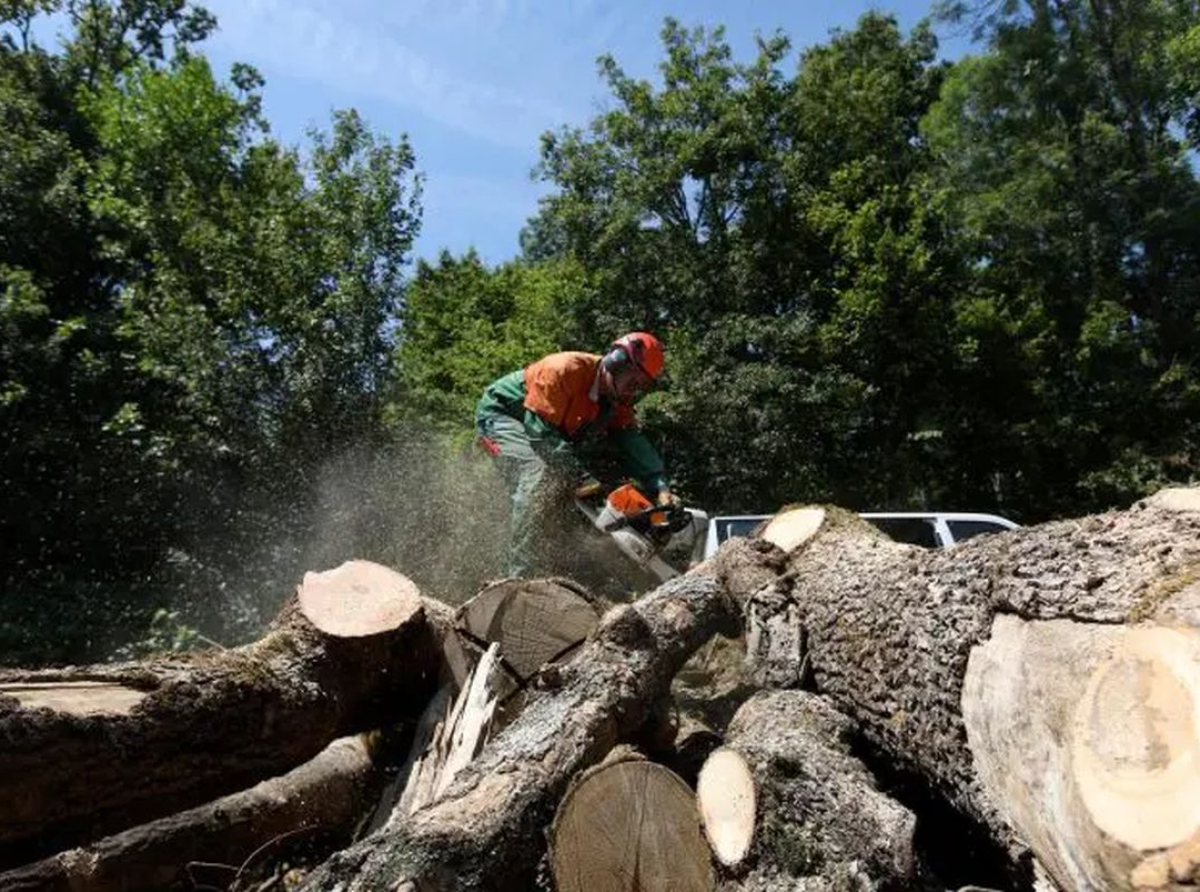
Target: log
[(86, 752), (629, 825), (822, 809), (1046, 681), (496, 810), (535, 622), (324, 798)]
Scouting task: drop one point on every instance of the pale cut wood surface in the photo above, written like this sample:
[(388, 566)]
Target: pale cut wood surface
[(726, 797), (630, 826), (358, 598), (75, 697)]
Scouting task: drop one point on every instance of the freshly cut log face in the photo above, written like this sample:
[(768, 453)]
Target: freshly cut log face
[(75, 697), (791, 529), (1129, 743), (358, 598), (725, 795), (630, 826), (535, 621)]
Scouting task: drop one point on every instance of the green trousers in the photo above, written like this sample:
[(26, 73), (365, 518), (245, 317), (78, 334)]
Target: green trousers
[(538, 492)]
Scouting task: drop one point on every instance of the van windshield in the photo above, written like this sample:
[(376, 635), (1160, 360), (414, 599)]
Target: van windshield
[(728, 527)]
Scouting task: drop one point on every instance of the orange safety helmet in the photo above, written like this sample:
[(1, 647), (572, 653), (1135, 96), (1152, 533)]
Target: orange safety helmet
[(643, 350)]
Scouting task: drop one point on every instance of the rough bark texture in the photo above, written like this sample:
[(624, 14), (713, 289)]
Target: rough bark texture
[(324, 797), (820, 805), (202, 725), (496, 811), (886, 631)]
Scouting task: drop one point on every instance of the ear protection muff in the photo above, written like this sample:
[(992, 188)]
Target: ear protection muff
[(617, 360)]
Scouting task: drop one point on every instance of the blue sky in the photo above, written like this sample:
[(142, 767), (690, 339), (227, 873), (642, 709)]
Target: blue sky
[(475, 82)]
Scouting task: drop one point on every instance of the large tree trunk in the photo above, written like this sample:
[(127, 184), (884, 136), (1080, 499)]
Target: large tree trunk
[(1045, 680), (323, 798), (487, 830), (90, 751)]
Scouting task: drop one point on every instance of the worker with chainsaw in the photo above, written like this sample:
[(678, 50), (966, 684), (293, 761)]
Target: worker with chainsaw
[(548, 424)]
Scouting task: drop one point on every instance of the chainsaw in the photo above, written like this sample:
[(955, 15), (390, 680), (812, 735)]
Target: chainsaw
[(641, 529)]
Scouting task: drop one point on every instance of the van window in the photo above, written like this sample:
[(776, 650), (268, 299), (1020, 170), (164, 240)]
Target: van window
[(967, 529), (910, 530), (742, 526)]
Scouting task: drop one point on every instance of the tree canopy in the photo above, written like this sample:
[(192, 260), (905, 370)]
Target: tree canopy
[(884, 279)]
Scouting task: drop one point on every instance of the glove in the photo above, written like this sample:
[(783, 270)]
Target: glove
[(588, 487), (667, 499)]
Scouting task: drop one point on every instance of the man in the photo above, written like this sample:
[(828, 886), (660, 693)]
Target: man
[(543, 423)]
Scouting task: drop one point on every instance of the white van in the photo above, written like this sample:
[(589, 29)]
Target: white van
[(939, 529)]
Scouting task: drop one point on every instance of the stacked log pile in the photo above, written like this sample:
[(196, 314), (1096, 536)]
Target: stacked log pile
[(1042, 686)]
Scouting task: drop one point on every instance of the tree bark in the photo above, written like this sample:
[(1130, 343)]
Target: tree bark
[(322, 798), (86, 752), (487, 830), (821, 808), (1046, 681)]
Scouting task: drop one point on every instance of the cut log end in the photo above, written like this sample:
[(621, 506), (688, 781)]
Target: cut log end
[(75, 697), (726, 797), (358, 599), (1177, 498), (630, 825), (1135, 744), (791, 529), (535, 621)]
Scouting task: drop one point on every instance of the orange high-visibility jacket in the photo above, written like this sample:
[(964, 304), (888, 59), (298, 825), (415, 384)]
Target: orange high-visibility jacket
[(560, 389)]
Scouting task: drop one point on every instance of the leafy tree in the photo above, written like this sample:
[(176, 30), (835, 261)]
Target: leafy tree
[(466, 324), (1061, 158), (196, 318)]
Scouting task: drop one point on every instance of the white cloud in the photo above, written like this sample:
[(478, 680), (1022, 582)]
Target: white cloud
[(306, 41)]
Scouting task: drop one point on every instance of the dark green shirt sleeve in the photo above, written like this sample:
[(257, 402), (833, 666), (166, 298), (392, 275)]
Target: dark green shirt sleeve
[(642, 461)]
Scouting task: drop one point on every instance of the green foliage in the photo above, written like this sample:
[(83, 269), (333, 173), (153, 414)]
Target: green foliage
[(780, 232), (167, 633), (195, 318), (465, 324), (883, 280), (1061, 164)]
